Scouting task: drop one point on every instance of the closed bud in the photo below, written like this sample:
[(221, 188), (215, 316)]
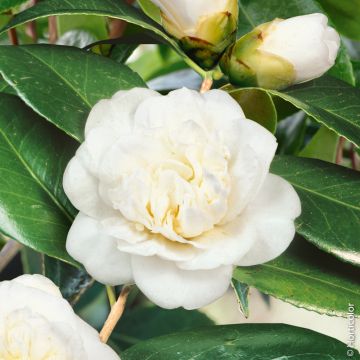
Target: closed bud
[(205, 28), (281, 53)]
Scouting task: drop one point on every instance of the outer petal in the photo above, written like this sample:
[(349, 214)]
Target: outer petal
[(39, 282), (81, 187), (249, 165), (117, 113), (39, 297), (94, 348), (170, 287), (272, 215), (88, 244)]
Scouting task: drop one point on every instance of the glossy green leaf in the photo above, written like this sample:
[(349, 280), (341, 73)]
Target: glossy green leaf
[(72, 281), (323, 146), (75, 81), (121, 52), (142, 323), (308, 278), (33, 154), (6, 5), (330, 198), (345, 15), (329, 101), (258, 106), (111, 8), (255, 12), (242, 295), (241, 342)]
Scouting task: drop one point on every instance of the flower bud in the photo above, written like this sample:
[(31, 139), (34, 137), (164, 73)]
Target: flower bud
[(281, 53), (205, 28)]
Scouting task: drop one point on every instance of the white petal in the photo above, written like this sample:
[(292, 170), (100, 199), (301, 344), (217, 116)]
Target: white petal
[(272, 215), (117, 113), (39, 297), (249, 165), (170, 287), (94, 348), (39, 282), (187, 13), (88, 243), (81, 188), (223, 245), (306, 43)]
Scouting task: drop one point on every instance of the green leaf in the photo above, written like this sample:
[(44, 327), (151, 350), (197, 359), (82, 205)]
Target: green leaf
[(255, 12), (143, 323), (258, 106), (72, 281), (345, 15), (33, 154), (75, 81), (241, 342), (111, 8), (242, 295), (343, 69), (329, 101), (308, 278), (121, 52), (6, 5), (322, 146), (330, 198)]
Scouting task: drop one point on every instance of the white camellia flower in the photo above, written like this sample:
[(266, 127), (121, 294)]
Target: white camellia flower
[(283, 52), (173, 191), (36, 323), (205, 28)]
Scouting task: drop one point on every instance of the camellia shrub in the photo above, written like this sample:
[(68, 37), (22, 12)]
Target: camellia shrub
[(158, 154)]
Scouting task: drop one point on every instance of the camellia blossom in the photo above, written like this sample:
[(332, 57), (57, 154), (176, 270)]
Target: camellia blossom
[(205, 28), (36, 323), (173, 191), (283, 52)]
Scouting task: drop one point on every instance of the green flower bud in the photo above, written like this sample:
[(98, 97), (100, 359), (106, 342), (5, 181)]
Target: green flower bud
[(247, 65)]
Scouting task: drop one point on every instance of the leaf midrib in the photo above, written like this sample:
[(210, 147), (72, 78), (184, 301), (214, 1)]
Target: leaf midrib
[(310, 277), (78, 93), (291, 98), (35, 177), (333, 200)]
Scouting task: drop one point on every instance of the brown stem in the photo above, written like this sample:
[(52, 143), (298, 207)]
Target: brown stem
[(206, 85), (353, 157), (8, 252), (340, 151), (115, 314), (53, 34), (13, 37), (31, 26), (117, 26)]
